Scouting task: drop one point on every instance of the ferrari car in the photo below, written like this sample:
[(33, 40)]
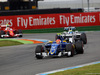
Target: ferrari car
[(70, 31), (7, 31), (59, 48)]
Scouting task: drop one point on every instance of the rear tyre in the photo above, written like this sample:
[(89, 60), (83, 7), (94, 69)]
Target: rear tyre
[(83, 38), (56, 37), (20, 32), (69, 48), (38, 52), (79, 47)]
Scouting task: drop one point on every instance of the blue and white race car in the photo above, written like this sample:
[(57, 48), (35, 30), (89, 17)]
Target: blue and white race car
[(59, 48), (71, 33)]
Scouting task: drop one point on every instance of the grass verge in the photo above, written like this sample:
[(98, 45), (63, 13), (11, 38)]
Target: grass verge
[(17, 40), (9, 43), (87, 70)]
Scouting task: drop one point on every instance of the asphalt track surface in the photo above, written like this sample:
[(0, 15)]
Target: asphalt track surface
[(20, 60)]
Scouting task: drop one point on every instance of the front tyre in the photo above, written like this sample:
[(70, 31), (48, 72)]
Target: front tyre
[(20, 36), (38, 52)]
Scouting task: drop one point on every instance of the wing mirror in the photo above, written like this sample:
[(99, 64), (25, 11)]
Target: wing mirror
[(64, 41)]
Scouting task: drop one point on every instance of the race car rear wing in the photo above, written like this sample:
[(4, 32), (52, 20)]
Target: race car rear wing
[(69, 28), (4, 26)]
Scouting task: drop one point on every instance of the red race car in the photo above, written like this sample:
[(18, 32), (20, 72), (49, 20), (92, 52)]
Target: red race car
[(7, 31)]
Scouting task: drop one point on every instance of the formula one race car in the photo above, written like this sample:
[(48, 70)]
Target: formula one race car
[(6, 31), (70, 31), (59, 48)]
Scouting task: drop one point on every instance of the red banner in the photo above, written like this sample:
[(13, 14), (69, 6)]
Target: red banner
[(42, 21)]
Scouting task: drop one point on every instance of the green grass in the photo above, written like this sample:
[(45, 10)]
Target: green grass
[(16, 40), (9, 43), (87, 70)]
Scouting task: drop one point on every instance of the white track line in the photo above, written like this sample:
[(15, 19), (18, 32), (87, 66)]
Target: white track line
[(50, 72)]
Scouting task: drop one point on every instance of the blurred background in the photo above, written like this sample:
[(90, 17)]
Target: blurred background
[(94, 5)]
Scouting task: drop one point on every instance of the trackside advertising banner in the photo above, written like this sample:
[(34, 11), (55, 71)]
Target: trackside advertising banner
[(51, 20)]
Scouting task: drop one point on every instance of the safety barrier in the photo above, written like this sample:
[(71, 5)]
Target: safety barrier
[(56, 30), (59, 20)]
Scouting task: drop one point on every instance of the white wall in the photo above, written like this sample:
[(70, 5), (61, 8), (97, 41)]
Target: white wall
[(3, 0), (68, 3), (25, 0)]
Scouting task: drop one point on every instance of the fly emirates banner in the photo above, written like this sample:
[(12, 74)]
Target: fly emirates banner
[(42, 21)]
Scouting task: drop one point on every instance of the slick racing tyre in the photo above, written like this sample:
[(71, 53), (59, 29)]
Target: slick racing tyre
[(79, 47), (20, 32), (69, 48), (38, 52), (56, 37), (2, 33), (83, 38)]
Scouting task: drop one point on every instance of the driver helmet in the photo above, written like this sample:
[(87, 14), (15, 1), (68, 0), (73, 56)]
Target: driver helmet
[(7, 25), (58, 41), (70, 32)]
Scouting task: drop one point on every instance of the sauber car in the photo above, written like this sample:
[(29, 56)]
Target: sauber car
[(7, 31), (59, 48), (70, 31)]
